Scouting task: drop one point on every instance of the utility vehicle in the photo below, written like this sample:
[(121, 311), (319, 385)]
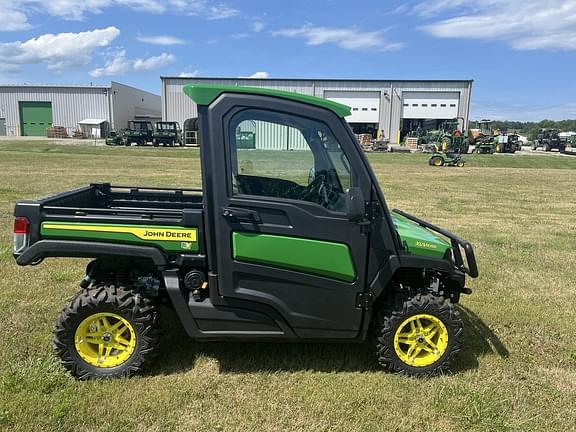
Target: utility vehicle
[(167, 133), (277, 246), (139, 132), (549, 139), (510, 144)]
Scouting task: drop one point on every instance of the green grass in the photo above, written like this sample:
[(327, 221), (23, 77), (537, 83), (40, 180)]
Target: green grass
[(517, 372)]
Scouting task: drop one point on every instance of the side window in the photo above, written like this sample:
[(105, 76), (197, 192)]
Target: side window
[(285, 156)]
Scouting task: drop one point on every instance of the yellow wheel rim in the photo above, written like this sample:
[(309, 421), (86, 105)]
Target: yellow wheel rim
[(498, 148), (437, 162), (421, 340), (105, 340)]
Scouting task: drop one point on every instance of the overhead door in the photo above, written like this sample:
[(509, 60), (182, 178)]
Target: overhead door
[(35, 118), (365, 105), (430, 105)]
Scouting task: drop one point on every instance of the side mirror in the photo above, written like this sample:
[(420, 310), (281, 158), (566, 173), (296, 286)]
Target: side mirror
[(355, 205)]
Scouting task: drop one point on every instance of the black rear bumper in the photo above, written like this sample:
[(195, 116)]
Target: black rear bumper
[(469, 267)]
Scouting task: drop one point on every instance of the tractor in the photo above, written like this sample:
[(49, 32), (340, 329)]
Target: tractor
[(483, 138), (114, 139), (448, 158)]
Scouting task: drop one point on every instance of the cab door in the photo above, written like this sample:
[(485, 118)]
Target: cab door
[(276, 174)]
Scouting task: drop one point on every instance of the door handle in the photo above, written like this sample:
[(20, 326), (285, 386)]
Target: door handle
[(241, 215)]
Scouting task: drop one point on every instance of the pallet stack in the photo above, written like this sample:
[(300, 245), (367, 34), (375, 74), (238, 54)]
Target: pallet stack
[(56, 132)]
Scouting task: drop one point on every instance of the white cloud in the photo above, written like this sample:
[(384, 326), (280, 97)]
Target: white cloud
[(258, 26), (12, 19), (189, 74), (57, 51), (154, 62), (163, 40), (257, 75), (119, 64), (14, 14), (523, 24), (220, 12), (347, 38)]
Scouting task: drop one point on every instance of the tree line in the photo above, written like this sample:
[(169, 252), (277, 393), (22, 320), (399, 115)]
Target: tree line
[(530, 129)]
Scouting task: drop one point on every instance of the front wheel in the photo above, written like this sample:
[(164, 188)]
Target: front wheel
[(418, 336), (106, 332)]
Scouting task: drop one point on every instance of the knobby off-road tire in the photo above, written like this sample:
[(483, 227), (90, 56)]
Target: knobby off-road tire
[(391, 332), (107, 332)]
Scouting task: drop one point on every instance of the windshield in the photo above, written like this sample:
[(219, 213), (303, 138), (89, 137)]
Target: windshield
[(166, 126), (143, 126)]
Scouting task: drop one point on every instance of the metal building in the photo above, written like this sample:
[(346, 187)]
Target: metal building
[(29, 110), (384, 108)]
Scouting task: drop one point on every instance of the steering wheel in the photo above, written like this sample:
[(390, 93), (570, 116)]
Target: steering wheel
[(319, 191)]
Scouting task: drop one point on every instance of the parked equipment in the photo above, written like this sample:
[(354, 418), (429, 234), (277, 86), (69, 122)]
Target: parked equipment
[(441, 158), (507, 143), (114, 139), (268, 250), (191, 132), (139, 132), (167, 134), (549, 139), (483, 140)]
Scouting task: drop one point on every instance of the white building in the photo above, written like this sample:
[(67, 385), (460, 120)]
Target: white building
[(28, 110), (385, 108)]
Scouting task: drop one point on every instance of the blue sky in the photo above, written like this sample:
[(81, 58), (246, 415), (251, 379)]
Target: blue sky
[(520, 53)]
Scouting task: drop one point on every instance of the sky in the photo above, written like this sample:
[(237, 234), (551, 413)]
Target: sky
[(520, 53)]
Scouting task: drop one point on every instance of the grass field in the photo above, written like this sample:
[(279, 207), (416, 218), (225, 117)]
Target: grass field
[(517, 372)]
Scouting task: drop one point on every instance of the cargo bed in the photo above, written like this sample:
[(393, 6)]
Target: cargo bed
[(82, 221)]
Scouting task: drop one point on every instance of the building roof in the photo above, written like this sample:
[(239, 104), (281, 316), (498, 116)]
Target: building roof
[(312, 79), (204, 94), (92, 121)]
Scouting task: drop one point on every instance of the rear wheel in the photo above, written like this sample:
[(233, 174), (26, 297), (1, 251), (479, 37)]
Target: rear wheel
[(418, 336), (436, 161), (106, 332)]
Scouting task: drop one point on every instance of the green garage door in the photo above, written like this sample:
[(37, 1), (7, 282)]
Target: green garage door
[(35, 118)]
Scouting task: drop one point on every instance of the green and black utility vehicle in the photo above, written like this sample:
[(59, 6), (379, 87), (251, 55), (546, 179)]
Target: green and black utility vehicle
[(549, 139), (167, 134), (139, 132), (277, 246), (507, 143)]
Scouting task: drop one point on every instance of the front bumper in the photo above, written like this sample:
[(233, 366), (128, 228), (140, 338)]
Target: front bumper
[(458, 245)]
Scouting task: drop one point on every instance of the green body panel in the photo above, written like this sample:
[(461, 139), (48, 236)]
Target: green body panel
[(110, 233), (323, 258), (418, 240), (35, 118), (204, 94)]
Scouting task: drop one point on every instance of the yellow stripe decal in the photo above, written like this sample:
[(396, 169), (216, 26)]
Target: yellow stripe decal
[(143, 233)]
